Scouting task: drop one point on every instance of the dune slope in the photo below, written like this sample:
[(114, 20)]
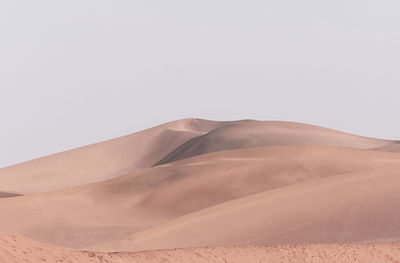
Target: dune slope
[(101, 161), (353, 207), (249, 133), (394, 147), (166, 143), (130, 203)]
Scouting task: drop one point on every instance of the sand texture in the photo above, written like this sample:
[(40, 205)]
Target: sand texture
[(21, 250), (207, 191)]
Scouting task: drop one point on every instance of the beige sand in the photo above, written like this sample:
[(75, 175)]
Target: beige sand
[(101, 161), (127, 204), (349, 207), (21, 250), (247, 134), (197, 183), (165, 143)]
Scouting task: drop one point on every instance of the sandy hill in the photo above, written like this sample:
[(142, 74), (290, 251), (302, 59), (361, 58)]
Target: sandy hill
[(166, 143), (101, 161), (21, 250), (249, 133), (142, 199), (350, 206), (198, 183)]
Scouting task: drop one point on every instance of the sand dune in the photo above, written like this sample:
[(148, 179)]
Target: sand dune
[(192, 184), (127, 204), (198, 183), (162, 144), (352, 207), (247, 134), (20, 250), (101, 161)]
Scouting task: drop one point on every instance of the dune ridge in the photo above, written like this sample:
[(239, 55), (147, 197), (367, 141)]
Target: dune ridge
[(165, 143), (217, 190), (249, 133), (101, 161)]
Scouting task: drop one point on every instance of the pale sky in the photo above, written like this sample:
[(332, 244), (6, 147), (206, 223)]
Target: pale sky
[(77, 72)]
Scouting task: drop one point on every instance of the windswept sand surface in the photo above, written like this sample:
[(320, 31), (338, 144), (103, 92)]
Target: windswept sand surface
[(101, 161), (21, 250), (165, 143), (163, 194), (248, 134), (247, 190)]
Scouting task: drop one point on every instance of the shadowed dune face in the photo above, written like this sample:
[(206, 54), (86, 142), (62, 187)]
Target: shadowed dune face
[(20, 250), (394, 147), (5, 194), (248, 134)]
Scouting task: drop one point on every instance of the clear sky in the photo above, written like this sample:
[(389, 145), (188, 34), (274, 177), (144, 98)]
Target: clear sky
[(78, 72)]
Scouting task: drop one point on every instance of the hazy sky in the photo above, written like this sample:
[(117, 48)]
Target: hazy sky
[(78, 72)]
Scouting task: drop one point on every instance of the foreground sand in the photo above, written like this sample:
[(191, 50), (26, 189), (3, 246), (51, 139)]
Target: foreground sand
[(21, 250)]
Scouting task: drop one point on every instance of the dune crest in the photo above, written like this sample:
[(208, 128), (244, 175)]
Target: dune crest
[(101, 161), (249, 134), (167, 143)]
